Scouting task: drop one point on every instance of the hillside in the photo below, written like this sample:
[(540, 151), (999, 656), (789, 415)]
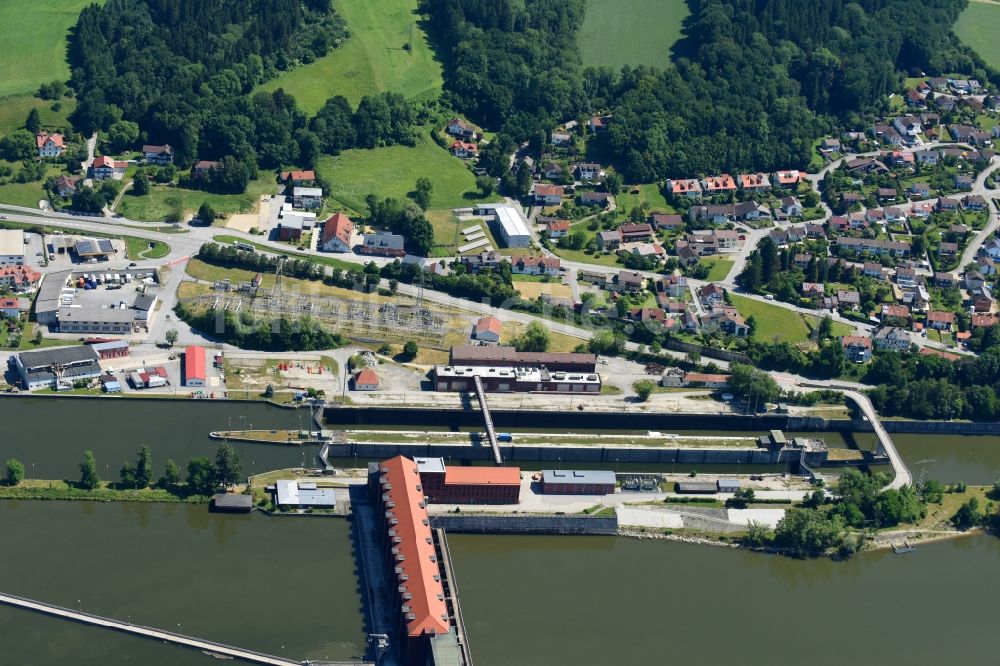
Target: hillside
[(630, 32), (978, 27), (387, 50)]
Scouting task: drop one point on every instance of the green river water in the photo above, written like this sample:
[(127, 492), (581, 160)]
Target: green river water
[(289, 584)]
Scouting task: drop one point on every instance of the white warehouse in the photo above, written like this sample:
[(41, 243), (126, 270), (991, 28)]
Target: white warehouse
[(508, 224)]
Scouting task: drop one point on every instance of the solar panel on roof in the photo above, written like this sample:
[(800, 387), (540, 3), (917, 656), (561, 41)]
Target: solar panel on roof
[(105, 245)]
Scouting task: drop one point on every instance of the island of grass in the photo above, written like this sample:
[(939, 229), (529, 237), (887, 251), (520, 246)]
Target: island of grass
[(387, 51), (162, 200), (630, 32)]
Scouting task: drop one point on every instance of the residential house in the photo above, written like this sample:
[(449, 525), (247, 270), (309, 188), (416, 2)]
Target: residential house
[(720, 184), (674, 285), (461, 129), (906, 276), (849, 299), (892, 338), (946, 280), (338, 234), (866, 165), (757, 182), (487, 259), (919, 189), (815, 231), (788, 179), (963, 181), (643, 249), (927, 157), (908, 126), (592, 198), (974, 280), (849, 199), (857, 348), (560, 138), (631, 232), (983, 320), (874, 246), (791, 206), (158, 154), (298, 178), (609, 240), (588, 172), (895, 315), (873, 270), (50, 145), (19, 278), (202, 167), (629, 282), (383, 244), (524, 265), (915, 100), (947, 250), (464, 149), (888, 134), (802, 259), (366, 380), (875, 216), (557, 228), (813, 289), (886, 194), (104, 168), (711, 295), (547, 195), (973, 202), (9, 307), (552, 171), (667, 222), (688, 187), (947, 204), (727, 320), (598, 124), (829, 146), (66, 186), (940, 321), (307, 197)]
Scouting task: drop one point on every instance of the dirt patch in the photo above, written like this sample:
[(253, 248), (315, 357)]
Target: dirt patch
[(532, 290)]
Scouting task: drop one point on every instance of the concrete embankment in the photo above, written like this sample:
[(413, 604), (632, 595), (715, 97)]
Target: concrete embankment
[(525, 524), (526, 453)]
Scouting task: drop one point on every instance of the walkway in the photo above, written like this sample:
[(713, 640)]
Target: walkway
[(490, 432), (903, 476), (209, 647)]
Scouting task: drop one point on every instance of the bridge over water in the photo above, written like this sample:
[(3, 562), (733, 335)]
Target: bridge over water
[(206, 646)]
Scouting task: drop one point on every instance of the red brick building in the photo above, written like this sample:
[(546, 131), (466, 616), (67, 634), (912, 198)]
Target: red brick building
[(468, 485)]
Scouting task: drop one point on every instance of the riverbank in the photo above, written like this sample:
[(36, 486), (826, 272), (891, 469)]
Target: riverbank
[(62, 490)]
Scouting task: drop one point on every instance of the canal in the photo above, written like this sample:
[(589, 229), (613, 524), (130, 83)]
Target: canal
[(288, 585)]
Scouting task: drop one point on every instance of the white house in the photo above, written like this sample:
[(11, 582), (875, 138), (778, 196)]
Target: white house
[(338, 234), (49, 145), (307, 197)]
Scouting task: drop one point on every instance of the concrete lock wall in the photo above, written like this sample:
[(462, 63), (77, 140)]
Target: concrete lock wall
[(521, 524), (567, 454)]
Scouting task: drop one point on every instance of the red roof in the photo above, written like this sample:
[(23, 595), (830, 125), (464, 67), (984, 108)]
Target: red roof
[(419, 576), (557, 225), (43, 137), (194, 363), (159, 371), (927, 351), (542, 190), (856, 341), (8, 304), (541, 262), (205, 165), (340, 226), (104, 161), (20, 274), (482, 476), (367, 377), (943, 317), (491, 324), (298, 175)]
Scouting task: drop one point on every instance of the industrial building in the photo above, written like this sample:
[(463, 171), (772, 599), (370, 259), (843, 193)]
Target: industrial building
[(96, 249), (383, 244), (194, 366), (57, 367), (508, 379), (77, 319), (508, 224), (298, 494), (468, 485), (11, 247), (577, 482), (477, 355), (411, 559)]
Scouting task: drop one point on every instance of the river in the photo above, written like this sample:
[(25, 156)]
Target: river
[(288, 584)]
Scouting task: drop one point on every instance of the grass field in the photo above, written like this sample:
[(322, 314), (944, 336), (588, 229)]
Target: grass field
[(155, 206), (33, 47), (630, 32), (773, 322), (393, 171), (978, 26), (718, 268), (650, 193), (839, 328), (532, 290), (140, 248), (371, 60), (14, 111), (319, 259)]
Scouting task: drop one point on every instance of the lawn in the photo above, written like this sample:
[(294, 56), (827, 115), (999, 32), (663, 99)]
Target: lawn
[(648, 192), (600, 258), (630, 32), (319, 259), (141, 248), (558, 342), (157, 204), (718, 268), (448, 233), (373, 59), (393, 171), (773, 322), (839, 328), (977, 26), (532, 290), (22, 194), (14, 111), (33, 47)]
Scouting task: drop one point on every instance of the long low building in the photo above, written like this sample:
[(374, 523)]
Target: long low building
[(74, 319), (468, 485), (506, 379), (508, 224), (578, 482), (57, 367), (480, 355)]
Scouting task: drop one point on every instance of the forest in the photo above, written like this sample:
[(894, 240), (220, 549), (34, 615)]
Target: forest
[(753, 84)]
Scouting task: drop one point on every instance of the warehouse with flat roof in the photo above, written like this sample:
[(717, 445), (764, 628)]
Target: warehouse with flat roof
[(195, 373), (508, 224), (11, 247), (577, 482)]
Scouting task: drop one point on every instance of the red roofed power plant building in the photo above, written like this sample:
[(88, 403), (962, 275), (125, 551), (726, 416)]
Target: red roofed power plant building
[(468, 485)]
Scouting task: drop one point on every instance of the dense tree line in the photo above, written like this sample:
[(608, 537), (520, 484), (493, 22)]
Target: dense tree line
[(511, 63), (404, 218), (249, 332)]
